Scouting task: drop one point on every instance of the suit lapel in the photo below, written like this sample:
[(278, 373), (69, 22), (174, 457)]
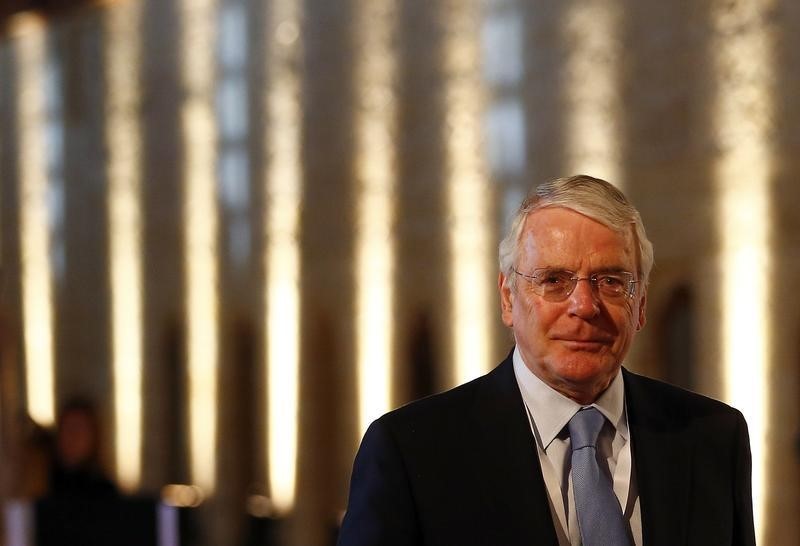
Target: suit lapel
[(507, 464), (662, 458)]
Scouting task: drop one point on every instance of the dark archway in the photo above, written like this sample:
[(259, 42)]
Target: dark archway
[(677, 338)]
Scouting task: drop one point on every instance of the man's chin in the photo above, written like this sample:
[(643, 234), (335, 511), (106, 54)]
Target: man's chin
[(584, 371)]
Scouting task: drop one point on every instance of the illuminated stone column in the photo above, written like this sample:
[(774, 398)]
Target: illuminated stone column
[(35, 265), (590, 84), (200, 243), (375, 181), (743, 61), (283, 194), (469, 196), (125, 229)]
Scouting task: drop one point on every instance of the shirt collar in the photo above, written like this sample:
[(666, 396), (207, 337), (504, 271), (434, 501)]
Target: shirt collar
[(551, 410)]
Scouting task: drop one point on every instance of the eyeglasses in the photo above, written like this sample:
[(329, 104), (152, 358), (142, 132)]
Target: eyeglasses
[(558, 284)]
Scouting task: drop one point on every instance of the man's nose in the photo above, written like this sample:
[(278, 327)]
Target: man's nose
[(584, 301)]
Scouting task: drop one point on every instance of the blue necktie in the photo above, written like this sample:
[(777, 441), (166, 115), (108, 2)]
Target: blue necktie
[(599, 515)]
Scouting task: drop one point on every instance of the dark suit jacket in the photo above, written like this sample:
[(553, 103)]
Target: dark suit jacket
[(461, 468)]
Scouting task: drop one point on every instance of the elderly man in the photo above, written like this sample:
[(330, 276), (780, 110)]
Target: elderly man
[(559, 444)]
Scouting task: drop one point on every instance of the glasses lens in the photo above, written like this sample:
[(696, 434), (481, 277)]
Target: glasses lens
[(612, 285), (553, 283)]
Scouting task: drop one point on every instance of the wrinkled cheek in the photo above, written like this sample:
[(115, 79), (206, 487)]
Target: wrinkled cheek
[(534, 317), (622, 346)]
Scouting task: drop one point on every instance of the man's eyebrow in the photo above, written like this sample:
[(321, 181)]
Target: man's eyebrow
[(611, 269), (607, 269)]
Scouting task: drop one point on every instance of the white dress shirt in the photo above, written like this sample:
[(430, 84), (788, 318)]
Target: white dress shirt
[(549, 413)]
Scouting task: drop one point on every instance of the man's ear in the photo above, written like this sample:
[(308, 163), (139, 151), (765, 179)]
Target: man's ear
[(506, 303)]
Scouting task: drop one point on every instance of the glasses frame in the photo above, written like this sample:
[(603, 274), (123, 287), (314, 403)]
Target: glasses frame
[(575, 279)]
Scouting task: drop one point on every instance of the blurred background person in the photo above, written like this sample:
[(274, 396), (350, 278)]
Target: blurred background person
[(76, 470)]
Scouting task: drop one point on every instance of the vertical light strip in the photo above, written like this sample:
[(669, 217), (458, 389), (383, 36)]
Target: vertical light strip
[(469, 202), (283, 196), (591, 88), (375, 175), (743, 59), (125, 229), (37, 299), (200, 209)]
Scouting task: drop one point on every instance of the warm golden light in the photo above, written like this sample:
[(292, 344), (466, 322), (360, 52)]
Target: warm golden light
[(375, 168), (468, 195), (743, 64), (182, 496), (200, 212), (591, 87), (37, 299), (125, 230), (259, 506), (283, 195)]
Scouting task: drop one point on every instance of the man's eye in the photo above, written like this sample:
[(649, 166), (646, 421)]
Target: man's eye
[(609, 280), (554, 278)]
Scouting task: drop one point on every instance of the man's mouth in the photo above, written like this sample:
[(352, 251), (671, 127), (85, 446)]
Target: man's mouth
[(584, 344)]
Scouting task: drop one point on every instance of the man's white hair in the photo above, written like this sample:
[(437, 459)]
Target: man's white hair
[(591, 197)]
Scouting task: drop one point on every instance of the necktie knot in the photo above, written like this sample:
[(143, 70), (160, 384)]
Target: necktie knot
[(584, 428)]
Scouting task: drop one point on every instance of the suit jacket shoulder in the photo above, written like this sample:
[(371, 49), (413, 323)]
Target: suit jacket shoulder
[(674, 403), (692, 462), (459, 467)]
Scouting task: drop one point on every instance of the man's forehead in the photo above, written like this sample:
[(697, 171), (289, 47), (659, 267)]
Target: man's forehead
[(559, 230)]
